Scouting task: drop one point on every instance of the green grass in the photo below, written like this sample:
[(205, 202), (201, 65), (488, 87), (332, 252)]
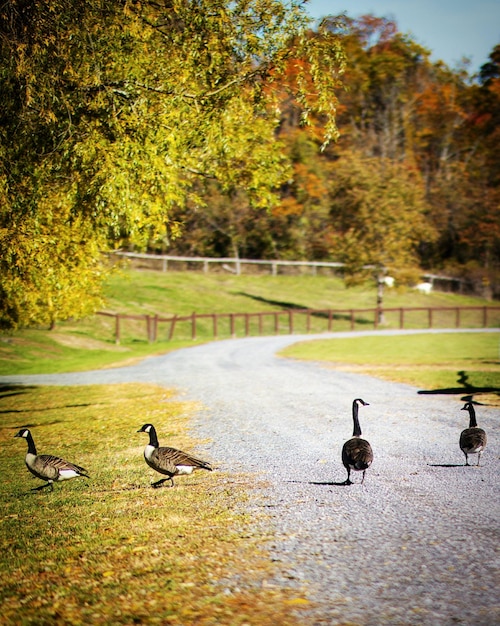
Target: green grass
[(112, 550), (463, 361), (90, 343)]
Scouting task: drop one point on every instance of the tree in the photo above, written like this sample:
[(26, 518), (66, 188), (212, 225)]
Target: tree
[(379, 217), (115, 109)]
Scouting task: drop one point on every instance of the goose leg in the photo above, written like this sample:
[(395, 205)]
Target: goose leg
[(363, 479), (348, 479), (43, 487), (158, 483), (478, 458)]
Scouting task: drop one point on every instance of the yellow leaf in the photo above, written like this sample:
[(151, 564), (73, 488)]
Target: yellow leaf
[(297, 601)]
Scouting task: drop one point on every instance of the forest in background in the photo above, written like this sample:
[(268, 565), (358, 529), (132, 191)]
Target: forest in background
[(417, 162), (234, 128)]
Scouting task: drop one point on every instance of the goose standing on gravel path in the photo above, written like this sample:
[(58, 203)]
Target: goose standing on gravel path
[(47, 467), (472, 439), (357, 454), (168, 461)]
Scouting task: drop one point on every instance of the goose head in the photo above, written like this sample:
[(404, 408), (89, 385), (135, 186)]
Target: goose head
[(146, 428), (24, 432), (359, 401)]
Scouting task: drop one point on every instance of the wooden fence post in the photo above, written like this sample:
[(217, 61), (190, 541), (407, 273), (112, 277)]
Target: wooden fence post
[(401, 318), (429, 313), (352, 319), (276, 324), (117, 329), (172, 327), (330, 319), (214, 319), (153, 322), (232, 325), (193, 325), (457, 317), (485, 317)]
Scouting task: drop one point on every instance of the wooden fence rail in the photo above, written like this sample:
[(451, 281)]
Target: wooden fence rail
[(229, 264), (312, 320)]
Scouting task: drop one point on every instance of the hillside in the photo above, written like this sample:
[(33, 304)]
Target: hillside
[(90, 342)]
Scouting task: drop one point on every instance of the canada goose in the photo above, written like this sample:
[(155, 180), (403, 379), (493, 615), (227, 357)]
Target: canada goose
[(168, 461), (472, 439), (357, 453), (47, 467)]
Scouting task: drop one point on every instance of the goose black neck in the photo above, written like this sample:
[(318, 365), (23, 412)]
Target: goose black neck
[(153, 437), (472, 415), (357, 427), (31, 444)]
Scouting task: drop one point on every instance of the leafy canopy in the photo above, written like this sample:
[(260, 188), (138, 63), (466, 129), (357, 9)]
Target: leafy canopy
[(113, 109)]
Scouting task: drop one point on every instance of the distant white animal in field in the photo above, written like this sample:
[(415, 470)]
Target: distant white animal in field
[(389, 281), (424, 287)]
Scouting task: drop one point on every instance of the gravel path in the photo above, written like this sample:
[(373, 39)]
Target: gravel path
[(416, 544)]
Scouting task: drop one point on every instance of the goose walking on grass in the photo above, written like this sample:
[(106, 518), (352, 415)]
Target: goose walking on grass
[(169, 461), (47, 467), (357, 454), (472, 439)]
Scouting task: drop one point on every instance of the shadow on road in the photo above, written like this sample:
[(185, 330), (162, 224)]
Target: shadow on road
[(328, 483), (446, 464), (465, 387)]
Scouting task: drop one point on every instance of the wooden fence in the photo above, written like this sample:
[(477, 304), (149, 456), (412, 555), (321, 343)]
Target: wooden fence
[(164, 262), (217, 325)]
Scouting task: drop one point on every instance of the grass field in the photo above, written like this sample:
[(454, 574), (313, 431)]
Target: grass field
[(89, 343), (112, 550), (467, 363)]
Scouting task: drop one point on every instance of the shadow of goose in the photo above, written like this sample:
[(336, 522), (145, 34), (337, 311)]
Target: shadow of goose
[(445, 465), (328, 483)]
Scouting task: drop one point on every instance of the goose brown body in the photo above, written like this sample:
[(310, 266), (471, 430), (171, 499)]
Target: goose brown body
[(357, 453), (169, 461), (46, 466), (472, 439)]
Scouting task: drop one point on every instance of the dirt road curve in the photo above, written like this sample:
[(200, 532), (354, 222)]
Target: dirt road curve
[(416, 544)]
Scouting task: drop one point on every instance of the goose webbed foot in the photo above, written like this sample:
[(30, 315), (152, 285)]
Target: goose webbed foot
[(160, 482)]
